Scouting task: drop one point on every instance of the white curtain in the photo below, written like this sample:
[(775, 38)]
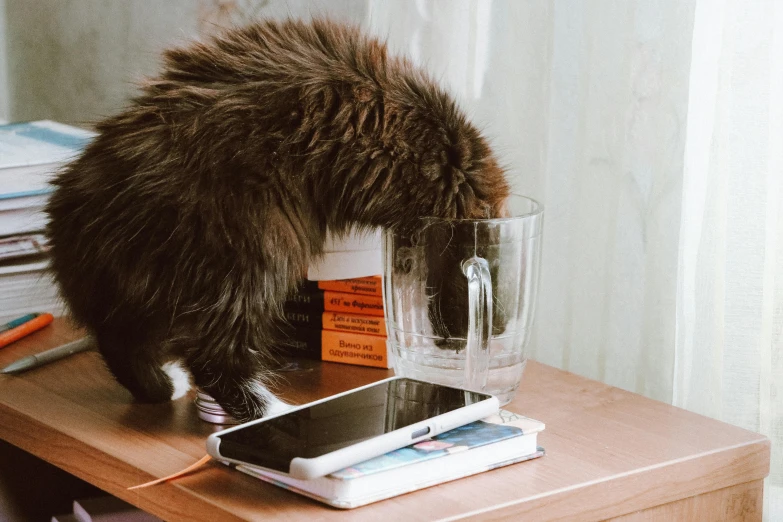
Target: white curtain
[(652, 131), (729, 350)]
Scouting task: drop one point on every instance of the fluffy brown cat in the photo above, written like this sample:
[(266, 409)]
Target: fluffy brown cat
[(178, 233)]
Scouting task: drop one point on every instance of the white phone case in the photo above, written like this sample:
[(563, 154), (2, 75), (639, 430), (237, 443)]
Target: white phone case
[(306, 469)]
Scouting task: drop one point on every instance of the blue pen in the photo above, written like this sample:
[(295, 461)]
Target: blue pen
[(18, 321)]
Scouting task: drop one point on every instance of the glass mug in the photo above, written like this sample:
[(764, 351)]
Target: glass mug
[(460, 297)]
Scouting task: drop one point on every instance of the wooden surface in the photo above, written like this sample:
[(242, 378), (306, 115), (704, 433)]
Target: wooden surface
[(610, 453), (733, 504)]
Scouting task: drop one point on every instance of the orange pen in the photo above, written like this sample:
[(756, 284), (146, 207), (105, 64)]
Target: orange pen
[(25, 329)]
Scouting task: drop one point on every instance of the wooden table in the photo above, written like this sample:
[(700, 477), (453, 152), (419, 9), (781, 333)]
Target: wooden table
[(610, 454)]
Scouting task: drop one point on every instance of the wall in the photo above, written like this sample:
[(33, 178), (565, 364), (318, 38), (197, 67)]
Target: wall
[(77, 61)]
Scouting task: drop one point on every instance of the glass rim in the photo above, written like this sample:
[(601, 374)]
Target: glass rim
[(537, 209)]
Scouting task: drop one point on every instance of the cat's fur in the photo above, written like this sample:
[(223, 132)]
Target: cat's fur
[(178, 233)]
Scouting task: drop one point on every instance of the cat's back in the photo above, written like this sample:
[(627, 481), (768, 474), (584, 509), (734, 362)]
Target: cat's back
[(293, 52)]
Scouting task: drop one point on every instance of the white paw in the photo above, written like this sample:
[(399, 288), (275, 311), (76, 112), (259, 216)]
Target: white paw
[(180, 378), (276, 406)]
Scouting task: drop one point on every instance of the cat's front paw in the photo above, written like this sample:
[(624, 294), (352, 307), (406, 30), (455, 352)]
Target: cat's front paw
[(256, 402)]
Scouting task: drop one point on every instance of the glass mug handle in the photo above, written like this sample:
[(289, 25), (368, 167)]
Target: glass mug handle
[(476, 269)]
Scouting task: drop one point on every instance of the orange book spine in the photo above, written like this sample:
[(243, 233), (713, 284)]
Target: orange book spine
[(328, 301), (363, 285), (353, 303), (338, 321), (362, 324), (342, 347), (351, 348)]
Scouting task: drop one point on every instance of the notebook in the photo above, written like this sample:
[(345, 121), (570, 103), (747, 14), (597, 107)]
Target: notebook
[(501, 440)]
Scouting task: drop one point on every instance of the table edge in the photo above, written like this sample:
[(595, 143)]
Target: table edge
[(753, 455)]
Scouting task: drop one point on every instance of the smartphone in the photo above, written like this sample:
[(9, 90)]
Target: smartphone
[(325, 436)]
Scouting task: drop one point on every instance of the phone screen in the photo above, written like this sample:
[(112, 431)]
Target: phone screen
[(340, 422)]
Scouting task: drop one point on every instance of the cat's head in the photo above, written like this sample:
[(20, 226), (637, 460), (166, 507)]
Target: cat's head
[(458, 178), (455, 173)]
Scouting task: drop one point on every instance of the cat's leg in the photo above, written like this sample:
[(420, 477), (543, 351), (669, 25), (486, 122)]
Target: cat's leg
[(235, 380), (236, 304), (231, 368), (141, 366), (238, 386)]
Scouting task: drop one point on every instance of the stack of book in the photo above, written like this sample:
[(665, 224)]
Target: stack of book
[(337, 321), (30, 155), (501, 440)]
